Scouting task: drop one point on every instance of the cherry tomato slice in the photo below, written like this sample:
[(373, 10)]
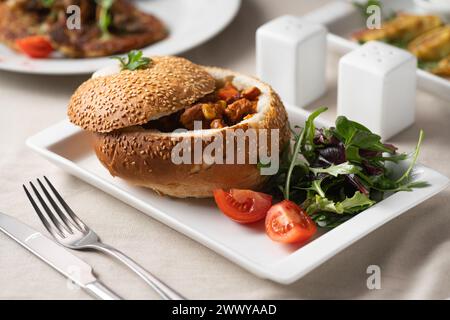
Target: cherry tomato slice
[(35, 46), (286, 222), (243, 206)]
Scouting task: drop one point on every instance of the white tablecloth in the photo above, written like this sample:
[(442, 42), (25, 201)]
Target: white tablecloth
[(413, 251)]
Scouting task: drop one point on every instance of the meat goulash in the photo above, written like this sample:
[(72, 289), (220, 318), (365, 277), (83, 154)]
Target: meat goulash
[(132, 115), (226, 106)]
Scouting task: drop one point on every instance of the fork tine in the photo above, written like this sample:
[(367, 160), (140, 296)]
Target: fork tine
[(50, 214), (39, 213), (61, 214), (70, 212)]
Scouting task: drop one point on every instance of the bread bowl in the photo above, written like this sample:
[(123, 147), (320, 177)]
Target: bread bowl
[(120, 109)]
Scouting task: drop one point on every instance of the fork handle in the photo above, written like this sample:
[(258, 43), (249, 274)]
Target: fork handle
[(160, 287)]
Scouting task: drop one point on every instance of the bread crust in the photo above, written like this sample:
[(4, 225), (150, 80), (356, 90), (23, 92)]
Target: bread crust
[(128, 98), (143, 157)]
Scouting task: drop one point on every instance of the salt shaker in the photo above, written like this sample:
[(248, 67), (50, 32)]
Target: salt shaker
[(291, 57), (377, 86)]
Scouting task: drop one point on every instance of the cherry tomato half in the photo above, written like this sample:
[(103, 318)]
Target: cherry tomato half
[(288, 223), (243, 206), (35, 46)]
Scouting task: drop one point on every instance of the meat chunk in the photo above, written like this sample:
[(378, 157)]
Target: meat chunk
[(236, 111), (229, 93), (194, 113), (251, 93)]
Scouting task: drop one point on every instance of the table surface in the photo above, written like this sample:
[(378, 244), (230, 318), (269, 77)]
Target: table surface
[(412, 250)]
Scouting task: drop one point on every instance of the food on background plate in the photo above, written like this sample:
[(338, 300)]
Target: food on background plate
[(425, 36), (39, 27), (132, 111), (327, 176), (433, 45), (401, 29), (443, 67)]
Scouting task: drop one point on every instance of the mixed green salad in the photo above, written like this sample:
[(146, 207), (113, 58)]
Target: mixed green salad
[(335, 173)]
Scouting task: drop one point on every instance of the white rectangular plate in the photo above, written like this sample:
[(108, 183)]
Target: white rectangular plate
[(68, 147), (342, 19)]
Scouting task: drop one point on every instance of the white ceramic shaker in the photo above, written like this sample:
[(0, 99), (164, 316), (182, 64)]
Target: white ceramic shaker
[(291, 57), (377, 87)]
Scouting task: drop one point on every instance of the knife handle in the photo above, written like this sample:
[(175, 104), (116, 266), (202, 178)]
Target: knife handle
[(99, 291)]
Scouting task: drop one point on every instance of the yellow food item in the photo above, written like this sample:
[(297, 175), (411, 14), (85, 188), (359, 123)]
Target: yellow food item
[(433, 45), (443, 67), (402, 28)]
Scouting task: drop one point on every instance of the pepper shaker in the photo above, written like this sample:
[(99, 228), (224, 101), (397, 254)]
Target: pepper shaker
[(377, 88), (291, 57)]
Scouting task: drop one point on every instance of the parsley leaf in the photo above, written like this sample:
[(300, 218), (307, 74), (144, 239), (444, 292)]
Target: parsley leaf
[(133, 61)]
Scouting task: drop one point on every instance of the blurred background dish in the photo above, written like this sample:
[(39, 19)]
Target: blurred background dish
[(189, 23)]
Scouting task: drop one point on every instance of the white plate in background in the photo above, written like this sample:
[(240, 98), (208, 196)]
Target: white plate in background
[(342, 19), (68, 147), (190, 23)]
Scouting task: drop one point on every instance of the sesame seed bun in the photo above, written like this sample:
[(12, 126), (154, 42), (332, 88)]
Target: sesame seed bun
[(143, 157), (122, 99)]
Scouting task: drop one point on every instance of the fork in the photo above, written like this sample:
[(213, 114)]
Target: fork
[(71, 232)]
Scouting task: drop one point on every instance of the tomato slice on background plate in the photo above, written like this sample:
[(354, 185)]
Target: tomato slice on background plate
[(286, 222), (243, 206), (35, 46)]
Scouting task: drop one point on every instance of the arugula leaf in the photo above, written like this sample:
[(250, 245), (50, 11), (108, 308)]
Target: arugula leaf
[(393, 158), (414, 159), (335, 170), (323, 204), (329, 219), (133, 61), (357, 203), (352, 205), (315, 187), (383, 183), (299, 143)]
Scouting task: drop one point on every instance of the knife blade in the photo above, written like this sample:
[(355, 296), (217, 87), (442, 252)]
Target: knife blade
[(56, 256)]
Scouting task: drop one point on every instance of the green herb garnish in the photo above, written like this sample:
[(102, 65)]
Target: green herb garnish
[(427, 65), (303, 143), (105, 19), (335, 173), (47, 3), (133, 61)]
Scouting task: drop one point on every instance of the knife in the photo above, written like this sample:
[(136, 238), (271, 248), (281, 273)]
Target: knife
[(59, 258)]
